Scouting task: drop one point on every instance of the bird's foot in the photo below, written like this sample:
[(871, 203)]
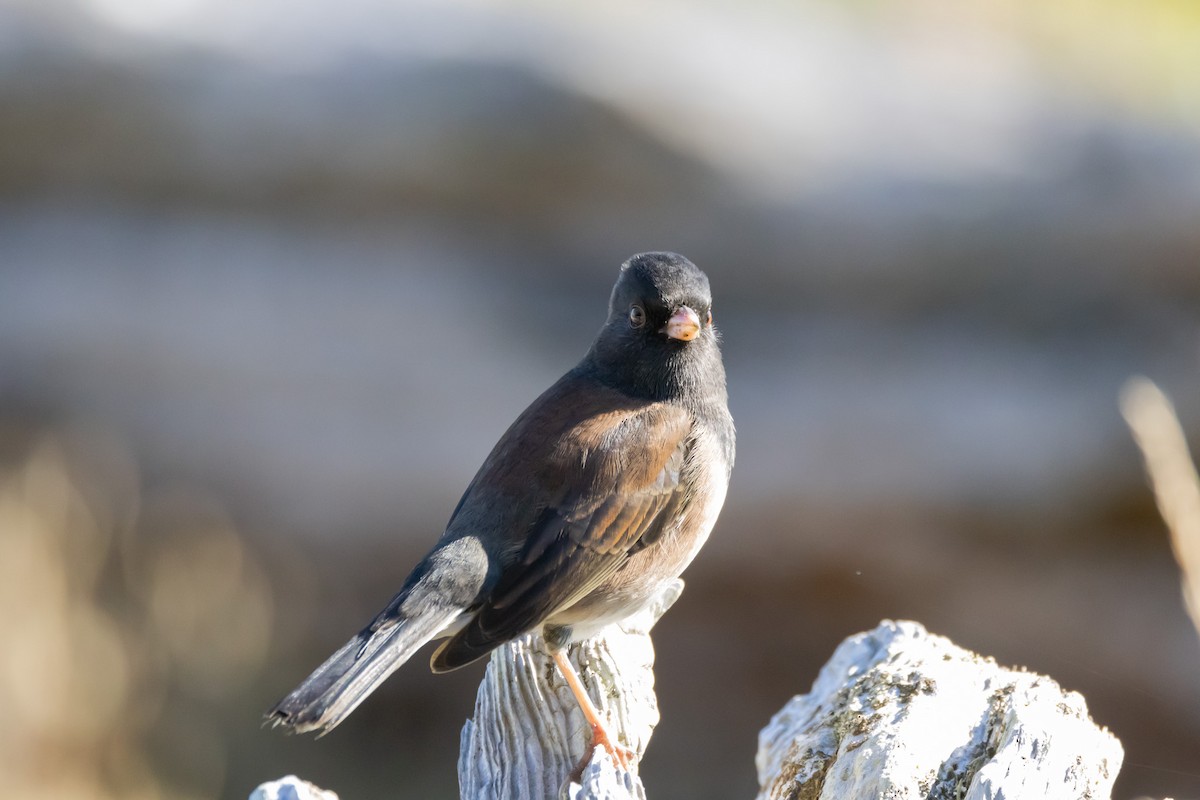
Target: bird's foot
[(622, 756)]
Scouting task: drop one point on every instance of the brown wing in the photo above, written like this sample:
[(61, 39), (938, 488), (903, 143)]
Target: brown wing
[(609, 488)]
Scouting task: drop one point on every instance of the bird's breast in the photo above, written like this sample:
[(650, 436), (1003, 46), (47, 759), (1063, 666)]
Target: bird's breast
[(706, 480)]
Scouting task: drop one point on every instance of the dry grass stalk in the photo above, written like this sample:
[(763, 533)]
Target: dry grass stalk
[(1158, 433)]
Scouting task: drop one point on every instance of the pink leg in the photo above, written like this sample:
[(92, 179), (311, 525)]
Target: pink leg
[(600, 734)]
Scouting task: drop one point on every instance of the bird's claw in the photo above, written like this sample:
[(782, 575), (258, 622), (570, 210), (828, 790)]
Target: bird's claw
[(623, 756)]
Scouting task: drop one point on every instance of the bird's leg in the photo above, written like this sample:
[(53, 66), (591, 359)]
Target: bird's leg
[(600, 734)]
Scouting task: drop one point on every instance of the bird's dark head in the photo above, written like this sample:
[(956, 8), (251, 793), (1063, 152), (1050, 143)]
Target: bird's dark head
[(659, 340)]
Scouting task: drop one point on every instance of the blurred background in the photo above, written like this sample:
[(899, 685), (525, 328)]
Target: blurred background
[(274, 277)]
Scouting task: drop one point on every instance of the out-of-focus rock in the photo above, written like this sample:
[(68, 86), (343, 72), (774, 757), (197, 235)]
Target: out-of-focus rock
[(291, 788)]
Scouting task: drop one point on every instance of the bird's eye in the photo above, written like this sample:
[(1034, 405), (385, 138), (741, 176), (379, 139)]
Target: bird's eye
[(637, 316), (708, 318)]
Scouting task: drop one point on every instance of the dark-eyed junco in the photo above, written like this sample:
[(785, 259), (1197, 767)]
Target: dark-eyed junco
[(601, 491)]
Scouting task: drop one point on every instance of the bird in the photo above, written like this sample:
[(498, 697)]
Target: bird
[(601, 492)]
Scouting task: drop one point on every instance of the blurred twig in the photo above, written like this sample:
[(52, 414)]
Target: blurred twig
[(1173, 476)]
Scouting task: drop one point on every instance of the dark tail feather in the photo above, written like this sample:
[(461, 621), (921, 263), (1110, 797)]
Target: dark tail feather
[(335, 688)]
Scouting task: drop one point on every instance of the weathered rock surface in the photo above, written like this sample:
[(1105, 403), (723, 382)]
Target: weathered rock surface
[(528, 733), (900, 713)]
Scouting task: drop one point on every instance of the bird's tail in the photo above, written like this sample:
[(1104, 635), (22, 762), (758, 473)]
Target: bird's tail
[(335, 688)]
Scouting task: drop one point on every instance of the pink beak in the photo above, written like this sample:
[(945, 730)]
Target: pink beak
[(683, 325)]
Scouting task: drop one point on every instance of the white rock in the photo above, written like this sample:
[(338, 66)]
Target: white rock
[(899, 713), (291, 788)]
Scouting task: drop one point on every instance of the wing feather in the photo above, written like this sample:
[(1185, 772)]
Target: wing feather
[(615, 489)]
